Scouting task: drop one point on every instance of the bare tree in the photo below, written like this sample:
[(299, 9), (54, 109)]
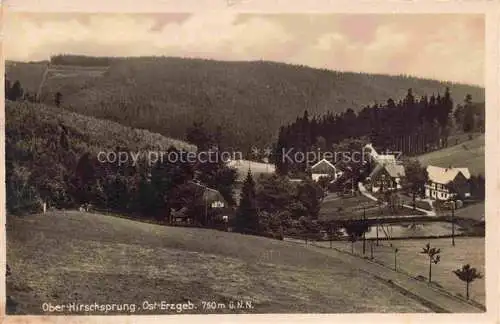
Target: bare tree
[(433, 255)]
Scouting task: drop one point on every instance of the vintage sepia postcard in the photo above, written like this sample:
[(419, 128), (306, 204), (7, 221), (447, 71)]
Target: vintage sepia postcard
[(257, 160)]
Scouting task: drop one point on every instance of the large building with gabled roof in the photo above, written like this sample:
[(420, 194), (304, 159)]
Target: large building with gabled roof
[(447, 183)]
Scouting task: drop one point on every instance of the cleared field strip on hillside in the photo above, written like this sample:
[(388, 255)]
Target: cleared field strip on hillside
[(61, 71), (29, 74), (67, 79), (470, 154), (100, 132), (256, 168)]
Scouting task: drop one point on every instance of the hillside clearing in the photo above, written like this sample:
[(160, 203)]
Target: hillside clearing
[(29, 74), (469, 154), (256, 168), (98, 132), (95, 258)]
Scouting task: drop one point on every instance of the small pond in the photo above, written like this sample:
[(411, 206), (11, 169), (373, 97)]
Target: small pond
[(409, 230)]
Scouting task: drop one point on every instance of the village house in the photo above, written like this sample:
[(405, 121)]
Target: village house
[(324, 169), (214, 206), (386, 177), (386, 174), (447, 183)]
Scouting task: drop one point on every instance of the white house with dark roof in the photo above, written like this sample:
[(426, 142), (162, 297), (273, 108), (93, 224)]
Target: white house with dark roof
[(447, 183), (324, 168)]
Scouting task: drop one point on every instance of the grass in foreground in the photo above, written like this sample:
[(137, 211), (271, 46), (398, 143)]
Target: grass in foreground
[(466, 250), (61, 257)]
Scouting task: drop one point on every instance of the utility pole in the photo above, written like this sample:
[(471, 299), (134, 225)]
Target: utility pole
[(206, 209), (453, 223), (364, 223), (395, 259), (330, 235), (378, 218)]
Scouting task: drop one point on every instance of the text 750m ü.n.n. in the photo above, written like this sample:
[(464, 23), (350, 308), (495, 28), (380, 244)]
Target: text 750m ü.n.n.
[(230, 305)]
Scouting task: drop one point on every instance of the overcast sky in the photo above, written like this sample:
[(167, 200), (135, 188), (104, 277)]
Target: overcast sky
[(444, 47)]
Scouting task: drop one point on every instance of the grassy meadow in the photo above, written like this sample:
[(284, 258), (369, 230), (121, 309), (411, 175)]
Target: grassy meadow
[(466, 250), (469, 154), (62, 256)]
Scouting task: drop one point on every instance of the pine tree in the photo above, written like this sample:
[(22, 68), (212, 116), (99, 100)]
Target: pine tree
[(468, 122), (447, 107), (410, 99), (279, 161), (7, 87), (199, 136), (247, 220), (57, 99), (459, 114), (16, 92)]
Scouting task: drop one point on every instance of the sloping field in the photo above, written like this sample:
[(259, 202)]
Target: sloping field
[(336, 207), (256, 168), (475, 211), (63, 257), (63, 78), (470, 154), (467, 250), (25, 118), (28, 74), (69, 79)]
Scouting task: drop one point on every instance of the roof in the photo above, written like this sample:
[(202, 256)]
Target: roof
[(323, 167), (386, 159), (210, 195), (181, 213), (445, 175), (394, 170), (380, 158)]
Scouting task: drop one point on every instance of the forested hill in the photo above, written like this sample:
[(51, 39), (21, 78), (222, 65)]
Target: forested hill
[(248, 100), (44, 150)]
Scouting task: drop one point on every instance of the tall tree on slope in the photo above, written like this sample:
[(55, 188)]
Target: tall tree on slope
[(247, 220)]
